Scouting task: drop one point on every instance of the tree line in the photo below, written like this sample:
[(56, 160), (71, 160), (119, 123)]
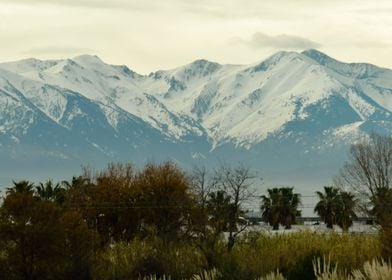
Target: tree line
[(57, 230)]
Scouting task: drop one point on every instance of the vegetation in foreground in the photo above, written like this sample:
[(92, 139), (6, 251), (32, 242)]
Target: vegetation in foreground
[(160, 223)]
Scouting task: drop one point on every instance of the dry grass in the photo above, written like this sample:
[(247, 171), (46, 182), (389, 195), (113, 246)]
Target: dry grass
[(371, 270), (374, 270), (265, 253), (254, 256), (273, 276), (323, 268), (207, 275)]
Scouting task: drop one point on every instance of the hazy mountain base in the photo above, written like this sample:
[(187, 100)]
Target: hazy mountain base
[(277, 161), (291, 117)]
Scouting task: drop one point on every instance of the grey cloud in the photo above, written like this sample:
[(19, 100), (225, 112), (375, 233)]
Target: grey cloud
[(283, 41)]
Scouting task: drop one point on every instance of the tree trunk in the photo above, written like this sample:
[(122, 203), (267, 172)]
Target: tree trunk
[(288, 223), (230, 242)]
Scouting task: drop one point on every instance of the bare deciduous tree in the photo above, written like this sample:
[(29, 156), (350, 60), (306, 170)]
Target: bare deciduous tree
[(201, 184), (237, 182), (369, 171)]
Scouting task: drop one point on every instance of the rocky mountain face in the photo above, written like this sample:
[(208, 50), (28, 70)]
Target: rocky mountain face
[(292, 116)]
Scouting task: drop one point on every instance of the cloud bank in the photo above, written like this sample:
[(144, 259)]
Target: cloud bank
[(282, 41), (161, 34)]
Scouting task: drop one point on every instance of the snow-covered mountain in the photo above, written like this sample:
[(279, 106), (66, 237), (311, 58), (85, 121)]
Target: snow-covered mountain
[(292, 116)]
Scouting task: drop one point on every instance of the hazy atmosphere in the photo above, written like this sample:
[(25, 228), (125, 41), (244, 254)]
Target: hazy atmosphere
[(195, 139), (145, 35)]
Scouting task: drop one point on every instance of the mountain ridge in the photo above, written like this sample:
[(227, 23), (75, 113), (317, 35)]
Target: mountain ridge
[(306, 107)]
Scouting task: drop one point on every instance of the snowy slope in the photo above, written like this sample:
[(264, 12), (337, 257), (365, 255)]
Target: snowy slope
[(265, 96), (304, 106), (113, 86)]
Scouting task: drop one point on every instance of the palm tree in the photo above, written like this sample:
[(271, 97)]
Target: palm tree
[(51, 192), (328, 206), (346, 211), (77, 192), (381, 200), (270, 206), (289, 207), (24, 187), (77, 182), (280, 207), (219, 206)]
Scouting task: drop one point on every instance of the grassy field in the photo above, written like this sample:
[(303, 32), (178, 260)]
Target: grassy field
[(255, 255)]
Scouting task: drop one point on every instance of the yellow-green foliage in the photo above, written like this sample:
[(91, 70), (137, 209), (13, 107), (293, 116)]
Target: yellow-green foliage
[(255, 255), (148, 258), (262, 253)]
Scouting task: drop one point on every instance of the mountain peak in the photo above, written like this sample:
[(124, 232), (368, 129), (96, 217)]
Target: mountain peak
[(204, 65), (199, 67), (273, 60), (203, 62), (28, 65), (87, 58), (316, 55)]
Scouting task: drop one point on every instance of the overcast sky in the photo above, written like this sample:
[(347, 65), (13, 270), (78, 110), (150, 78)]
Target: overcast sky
[(148, 35)]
